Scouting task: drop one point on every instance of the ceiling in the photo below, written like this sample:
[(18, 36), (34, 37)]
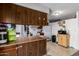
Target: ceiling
[(68, 10)]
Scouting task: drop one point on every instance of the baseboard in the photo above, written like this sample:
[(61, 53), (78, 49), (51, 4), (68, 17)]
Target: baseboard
[(48, 40)]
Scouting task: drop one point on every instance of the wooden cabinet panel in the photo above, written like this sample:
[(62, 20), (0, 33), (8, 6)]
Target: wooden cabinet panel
[(63, 40), (35, 17), (12, 13), (39, 19), (25, 17), (5, 13), (29, 12), (20, 50), (8, 51), (35, 48), (19, 15), (60, 39), (32, 49), (42, 46), (44, 19)]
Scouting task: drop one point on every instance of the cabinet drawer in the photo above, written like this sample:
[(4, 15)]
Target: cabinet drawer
[(11, 51)]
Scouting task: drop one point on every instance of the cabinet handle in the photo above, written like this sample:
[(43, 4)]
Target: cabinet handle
[(19, 47), (39, 18), (43, 18)]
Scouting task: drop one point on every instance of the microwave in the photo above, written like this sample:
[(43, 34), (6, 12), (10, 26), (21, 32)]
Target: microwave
[(3, 37)]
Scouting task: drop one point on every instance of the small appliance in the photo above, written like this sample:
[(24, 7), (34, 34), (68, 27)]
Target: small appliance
[(11, 34), (3, 33)]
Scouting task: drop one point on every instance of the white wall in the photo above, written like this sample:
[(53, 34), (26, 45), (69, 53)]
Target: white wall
[(55, 28), (48, 31), (72, 28)]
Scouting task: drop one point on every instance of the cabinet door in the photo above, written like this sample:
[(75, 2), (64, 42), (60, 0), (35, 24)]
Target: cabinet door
[(9, 51), (19, 15), (13, 17), (20, 50), (5, 13), (42, 47), (39, 18), (59, 39), (33, 17), (32, 49), (1, 12), (29, 12), (25, 17), (64, 41), (44, 19)]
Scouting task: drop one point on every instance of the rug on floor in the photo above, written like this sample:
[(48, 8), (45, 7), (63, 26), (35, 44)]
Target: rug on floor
[(76, 54)]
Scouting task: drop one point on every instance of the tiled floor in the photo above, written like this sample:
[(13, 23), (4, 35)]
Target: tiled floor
[(54, 49)]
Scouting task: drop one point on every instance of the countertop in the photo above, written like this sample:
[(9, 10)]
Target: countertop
[(21, 40)]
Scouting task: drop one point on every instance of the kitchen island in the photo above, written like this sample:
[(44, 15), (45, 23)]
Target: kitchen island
[(25, 46)]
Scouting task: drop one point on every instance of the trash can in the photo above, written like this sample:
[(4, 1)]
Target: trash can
[(53, 38)]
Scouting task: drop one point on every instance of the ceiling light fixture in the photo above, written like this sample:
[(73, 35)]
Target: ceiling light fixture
[(56, 13)]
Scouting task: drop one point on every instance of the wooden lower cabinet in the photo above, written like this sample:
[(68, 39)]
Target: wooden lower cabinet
[(20, 50), (42, 46), (35, 48), (8, 51), (63, 40), (32, 49)]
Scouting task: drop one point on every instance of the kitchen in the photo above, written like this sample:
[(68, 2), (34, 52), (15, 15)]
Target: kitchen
[(26, 31), (16, 24)]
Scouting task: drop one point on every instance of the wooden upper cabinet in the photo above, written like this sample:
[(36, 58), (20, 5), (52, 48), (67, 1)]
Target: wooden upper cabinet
[(44, 18), (29, 15), (41, 19), (25, 17), (34, 17), (12, 13), (5, 13), (38, 20), (19, 15)]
